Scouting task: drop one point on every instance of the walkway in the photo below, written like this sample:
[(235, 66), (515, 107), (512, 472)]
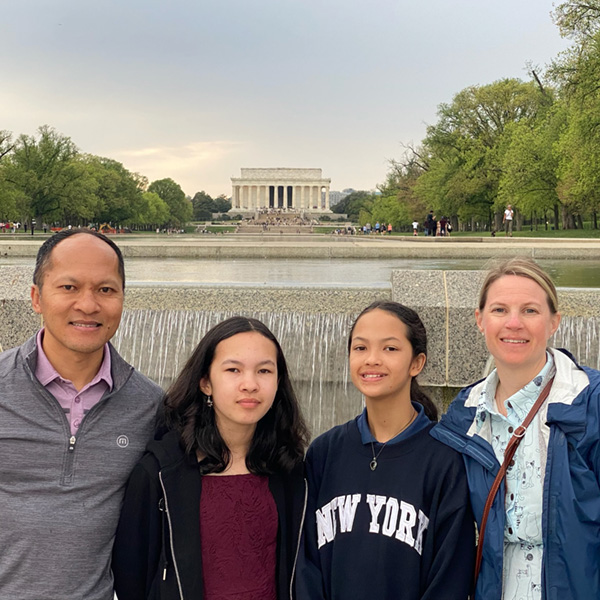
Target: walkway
[(319, 246)]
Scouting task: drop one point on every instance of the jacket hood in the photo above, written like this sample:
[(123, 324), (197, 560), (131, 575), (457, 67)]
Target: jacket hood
[(168, 451)]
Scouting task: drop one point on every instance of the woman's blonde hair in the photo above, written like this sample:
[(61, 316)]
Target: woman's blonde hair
[(521, 267)]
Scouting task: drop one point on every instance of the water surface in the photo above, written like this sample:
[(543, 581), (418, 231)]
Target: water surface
[(317, 272)]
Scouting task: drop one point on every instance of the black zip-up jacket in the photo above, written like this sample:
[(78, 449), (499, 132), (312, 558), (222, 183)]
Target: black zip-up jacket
[(157, 553)]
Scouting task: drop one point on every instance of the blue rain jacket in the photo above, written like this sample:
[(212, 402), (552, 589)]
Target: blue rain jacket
[(571, 503)]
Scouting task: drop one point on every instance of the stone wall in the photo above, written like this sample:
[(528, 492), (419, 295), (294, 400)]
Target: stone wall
[(162, 325)]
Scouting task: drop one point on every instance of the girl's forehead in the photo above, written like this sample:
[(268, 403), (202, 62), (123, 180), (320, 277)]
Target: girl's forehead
[(244, 343), (379, 322)]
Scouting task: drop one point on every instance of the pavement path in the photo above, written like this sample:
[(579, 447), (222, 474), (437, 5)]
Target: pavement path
[(319, 246)]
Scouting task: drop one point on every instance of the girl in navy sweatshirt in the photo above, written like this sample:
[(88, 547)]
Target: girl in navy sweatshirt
[(388, 514)]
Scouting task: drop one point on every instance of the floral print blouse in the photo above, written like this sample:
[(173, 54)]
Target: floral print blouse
[(523, 542)]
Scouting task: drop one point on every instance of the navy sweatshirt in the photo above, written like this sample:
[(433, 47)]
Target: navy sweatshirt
[(404, 531)]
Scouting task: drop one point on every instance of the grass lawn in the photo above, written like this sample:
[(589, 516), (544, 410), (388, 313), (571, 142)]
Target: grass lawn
[(526, 233), (540, 233)]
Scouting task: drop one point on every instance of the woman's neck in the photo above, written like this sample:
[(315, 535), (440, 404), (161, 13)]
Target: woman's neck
[(238, 441), (388, 419), (511, 380)]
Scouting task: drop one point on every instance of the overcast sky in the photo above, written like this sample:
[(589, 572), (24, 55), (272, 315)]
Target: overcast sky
[(196, 89)]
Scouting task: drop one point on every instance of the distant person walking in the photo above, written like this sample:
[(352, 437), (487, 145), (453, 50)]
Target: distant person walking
[(443, 225), (415, 226), (430, 224), (508, 221)]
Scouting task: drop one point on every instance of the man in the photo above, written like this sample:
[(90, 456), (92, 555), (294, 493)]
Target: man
[(430, 224), (74, 420), (508, 221)]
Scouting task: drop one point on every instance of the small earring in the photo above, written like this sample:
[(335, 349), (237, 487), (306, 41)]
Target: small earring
[(209, 401)]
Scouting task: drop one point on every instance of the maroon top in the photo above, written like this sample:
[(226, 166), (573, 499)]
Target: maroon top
[(238, 533)]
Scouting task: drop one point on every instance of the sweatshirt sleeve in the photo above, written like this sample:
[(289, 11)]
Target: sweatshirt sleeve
[(309, 579), (453, 548), (137, 547)]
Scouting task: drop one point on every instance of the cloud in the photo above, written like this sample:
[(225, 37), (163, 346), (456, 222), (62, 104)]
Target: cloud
[(194, 165)]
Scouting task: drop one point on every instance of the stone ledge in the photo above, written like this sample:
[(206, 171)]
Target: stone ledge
[(445, 300)]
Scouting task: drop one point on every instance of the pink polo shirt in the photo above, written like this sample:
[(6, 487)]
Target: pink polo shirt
[(76, 404)]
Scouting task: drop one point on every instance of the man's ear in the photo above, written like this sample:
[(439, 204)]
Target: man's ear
[(35, 299)]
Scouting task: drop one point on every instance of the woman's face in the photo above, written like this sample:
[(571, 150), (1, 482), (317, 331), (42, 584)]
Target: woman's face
[(517, 323), (242, 380), (381, 357)]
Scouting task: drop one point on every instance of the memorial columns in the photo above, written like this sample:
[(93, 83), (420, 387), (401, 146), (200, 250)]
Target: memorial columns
[(264, 201), (293, 189)]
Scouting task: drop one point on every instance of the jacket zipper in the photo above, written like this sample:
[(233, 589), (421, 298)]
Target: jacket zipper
[(162, 485), (67, 472), (299, 538)]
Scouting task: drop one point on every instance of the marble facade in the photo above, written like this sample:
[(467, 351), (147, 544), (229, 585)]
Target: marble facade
[(298, 190)]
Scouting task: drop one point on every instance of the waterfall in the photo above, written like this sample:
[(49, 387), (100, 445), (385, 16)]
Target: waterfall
[(158, 343), (580, 336)]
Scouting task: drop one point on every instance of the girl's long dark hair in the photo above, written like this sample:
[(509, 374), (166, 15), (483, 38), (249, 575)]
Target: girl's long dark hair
[(281, 435), (416, 335)]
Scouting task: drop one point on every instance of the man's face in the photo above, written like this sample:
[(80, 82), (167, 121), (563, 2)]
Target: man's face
[(80, 298)]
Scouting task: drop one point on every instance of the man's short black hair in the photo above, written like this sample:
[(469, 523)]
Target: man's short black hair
[(44, 253)]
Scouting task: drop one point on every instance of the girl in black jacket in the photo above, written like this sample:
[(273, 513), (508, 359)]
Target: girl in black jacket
[(214, 509)]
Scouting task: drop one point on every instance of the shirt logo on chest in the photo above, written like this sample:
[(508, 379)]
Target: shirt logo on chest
[(122, 441)]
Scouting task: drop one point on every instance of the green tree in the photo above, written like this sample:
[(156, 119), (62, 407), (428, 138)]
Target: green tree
[(51, 180), (8, 192), (578, 19), (222, 204), (153, 211), (577, 72), (529, 168), (465, 148), (180, 207), (6, 143), (353, 204), (399, 186), (118, 193), (203, 206), (578, 153), (388, 209)]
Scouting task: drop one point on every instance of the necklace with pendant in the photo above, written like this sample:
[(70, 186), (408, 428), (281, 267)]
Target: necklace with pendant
[(373, 463)]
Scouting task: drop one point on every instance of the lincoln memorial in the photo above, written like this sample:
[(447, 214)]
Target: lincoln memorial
[(300, 190)]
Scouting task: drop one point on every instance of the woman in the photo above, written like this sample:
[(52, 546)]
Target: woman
[(388, 515), (214, 509), (542, 538)]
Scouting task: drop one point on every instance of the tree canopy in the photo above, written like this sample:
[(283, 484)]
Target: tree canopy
[(47, 179), (534, 144), (180, 207)]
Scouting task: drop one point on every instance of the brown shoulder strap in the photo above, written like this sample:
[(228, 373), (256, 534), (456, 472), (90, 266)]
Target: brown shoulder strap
[(511, 448)]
